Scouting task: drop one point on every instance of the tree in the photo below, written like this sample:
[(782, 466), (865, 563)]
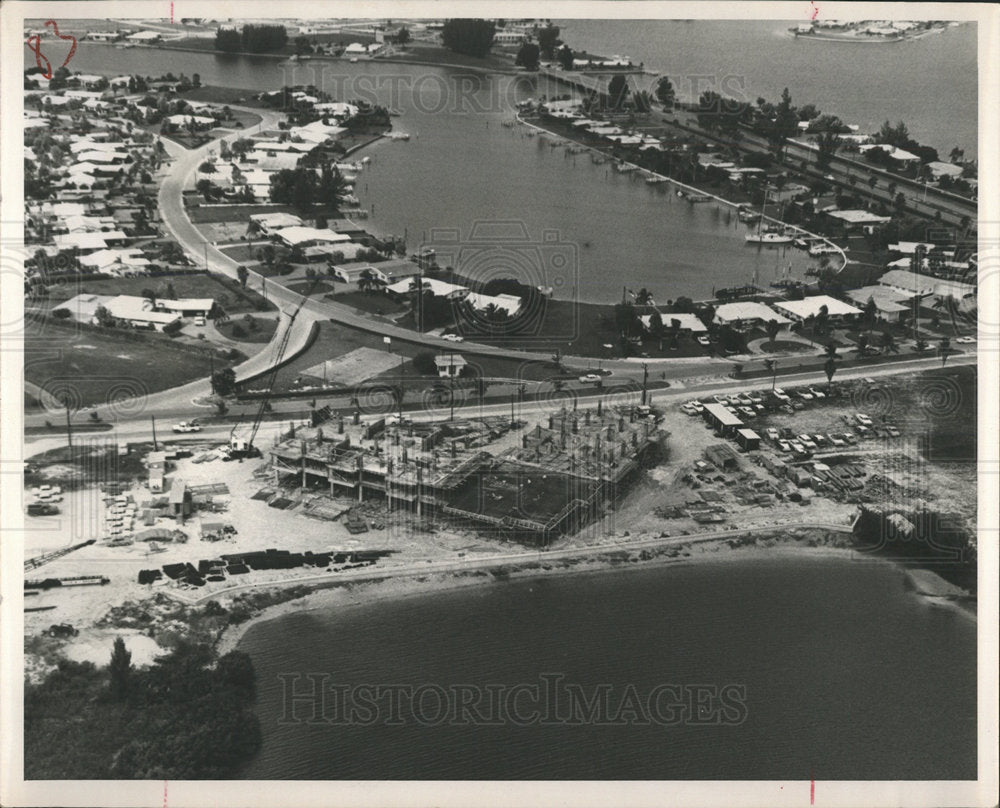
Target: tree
[(207, 167), (527, 56), (120, 670), (870, 314), (472, 37), (944, 347), (617, 91), (830, 367), (665, 93), (104, 317), (206, 188), (423, 362), (826, 144), (889, 342), (772, 365), (548, 38), (772, 327), (297, 187), (224, 381), (402, 35), (565, 56), (242, 273)]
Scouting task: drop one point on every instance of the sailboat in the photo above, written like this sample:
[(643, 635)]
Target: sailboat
[(770, 237)]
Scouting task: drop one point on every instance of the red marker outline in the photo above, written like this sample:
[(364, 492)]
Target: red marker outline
[(35, 43)]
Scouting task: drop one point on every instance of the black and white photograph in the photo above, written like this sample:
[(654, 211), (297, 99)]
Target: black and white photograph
[(428, 407)]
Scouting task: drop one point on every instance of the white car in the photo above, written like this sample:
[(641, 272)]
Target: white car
[(590, 377), (966, 340), (817, 393), (703, 340), (199, 321), (453, 337), (185, 427), (862, 419), (805, 395)]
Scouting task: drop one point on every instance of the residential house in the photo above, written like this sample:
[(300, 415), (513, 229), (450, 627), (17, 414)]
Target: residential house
[(799, 310), (449, 365)]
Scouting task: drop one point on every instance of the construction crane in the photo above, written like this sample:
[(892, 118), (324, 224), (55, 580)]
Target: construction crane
[(45, 558), (239, 448)]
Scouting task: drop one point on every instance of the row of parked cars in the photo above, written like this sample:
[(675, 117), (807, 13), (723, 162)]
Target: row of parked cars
[(752, 404)]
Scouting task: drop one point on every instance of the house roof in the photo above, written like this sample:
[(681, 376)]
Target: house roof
[(747, 310), (810, 306), (276, 219), (131, 307), (688, 322), (449, 360), (887, 299), (186, 304), (510, 304), (858, 216), (438, 287), (300, 235)]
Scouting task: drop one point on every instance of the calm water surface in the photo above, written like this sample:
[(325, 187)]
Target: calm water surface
[(847, 676), (587, 230)]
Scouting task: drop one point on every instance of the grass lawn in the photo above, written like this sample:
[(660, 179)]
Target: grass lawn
[(334, 340), (225, 292), (94, 463), (249, 329), (242, 213), (309, 287), (373, 302), (96, 368), (785, 346), (434, 54)]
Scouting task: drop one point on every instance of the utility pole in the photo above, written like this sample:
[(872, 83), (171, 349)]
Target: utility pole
[(451, 393), (645, 381), (206, 256), (402, 387), (512, 422), (153, 419), (69, 429)]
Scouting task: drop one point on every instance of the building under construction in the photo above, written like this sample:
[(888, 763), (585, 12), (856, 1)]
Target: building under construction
[(548, 481)]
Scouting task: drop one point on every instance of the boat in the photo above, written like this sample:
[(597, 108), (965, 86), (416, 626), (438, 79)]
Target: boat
[(699, 197), (768, 238), (625, 168), (398, 135), (655, 180)]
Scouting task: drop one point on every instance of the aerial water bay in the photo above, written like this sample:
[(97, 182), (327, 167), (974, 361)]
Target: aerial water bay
[(846, 675)]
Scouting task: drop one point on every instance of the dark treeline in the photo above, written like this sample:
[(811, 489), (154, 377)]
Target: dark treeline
[(468, 36), (187, 716), (251, 39)]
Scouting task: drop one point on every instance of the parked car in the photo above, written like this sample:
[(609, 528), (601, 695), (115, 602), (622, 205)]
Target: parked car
[(696, 405), (772, 434), (721, 399), (863, 419), (817, 393), (185, 426), (784, 446), (797, 447), (798, 405), (199, 320), (804, 395), (893, 432), (747, 412), (703, 340), (688, 409), (837, 442)]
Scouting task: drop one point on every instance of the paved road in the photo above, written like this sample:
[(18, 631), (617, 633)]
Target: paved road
[(138, 428)]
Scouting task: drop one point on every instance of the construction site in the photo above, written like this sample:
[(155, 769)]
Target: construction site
[(488, 474)]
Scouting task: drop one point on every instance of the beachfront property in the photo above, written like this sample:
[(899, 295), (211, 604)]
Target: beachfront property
[(135, 310), (852, 220), (302, 236), (745, 314), (358, 271), (685, 323), (270, 223), (810, 307), (892, 304)]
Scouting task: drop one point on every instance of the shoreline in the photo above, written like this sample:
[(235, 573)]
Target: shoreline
[(688, 188), (413, 585)]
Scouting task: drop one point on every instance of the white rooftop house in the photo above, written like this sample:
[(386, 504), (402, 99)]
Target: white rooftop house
[(307, 236), (357, 271), (440, 288), (187, 306), (269, 222), (745, 313), (800, 310), (139, 311), (449, 364), (509, 304), (897, 154), (686, 322)]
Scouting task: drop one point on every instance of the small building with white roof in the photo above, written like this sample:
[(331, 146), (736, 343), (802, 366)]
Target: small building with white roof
[(799, 310)]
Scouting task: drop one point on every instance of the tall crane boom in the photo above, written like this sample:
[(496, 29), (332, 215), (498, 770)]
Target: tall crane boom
[(272, 373)]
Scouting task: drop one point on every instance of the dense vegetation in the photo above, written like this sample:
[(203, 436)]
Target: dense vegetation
[(471, 37), (251, 39), (187, 716)]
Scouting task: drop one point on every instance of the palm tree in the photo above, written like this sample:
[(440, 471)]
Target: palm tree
[(944, 346), (889, 342), (772, 327), (950, 304), (772, 365), (870, 314), (830, 367), (644, 297)]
